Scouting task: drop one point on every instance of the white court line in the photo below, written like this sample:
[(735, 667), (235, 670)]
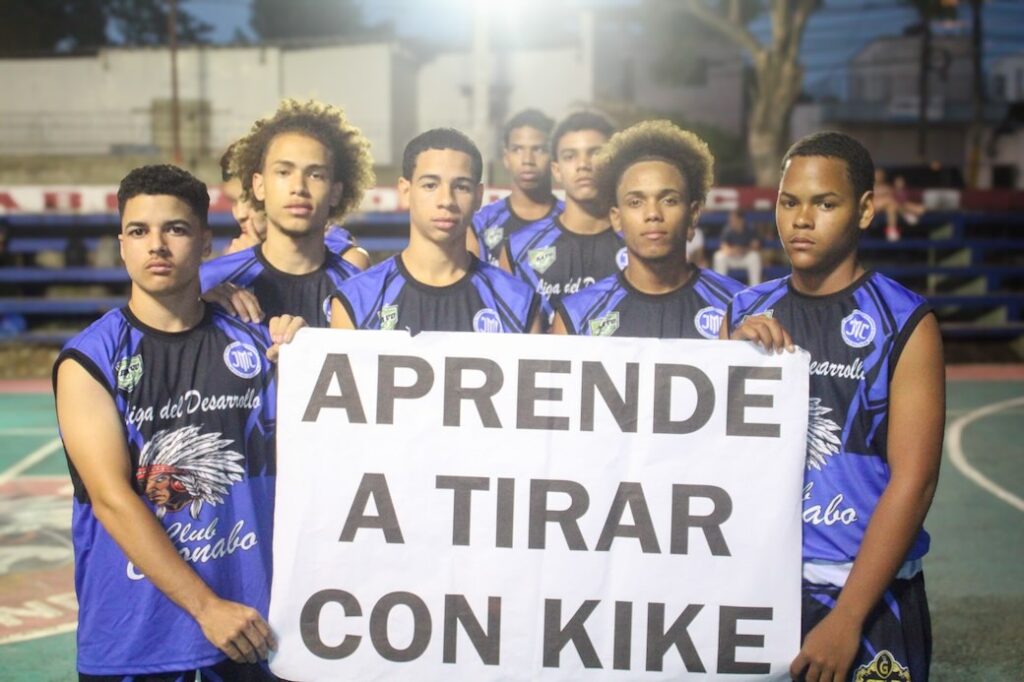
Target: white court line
[(28, 431), (40, 633), (954, 441), (30, 460)]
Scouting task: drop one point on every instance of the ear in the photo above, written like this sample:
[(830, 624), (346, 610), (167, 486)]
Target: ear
[(505, 160), (695, 208), (403, 194), (337, 189), (259, 190), (120, 245), (866, 208), (616, 218), (556, 171), (478, 197), (207, 241)]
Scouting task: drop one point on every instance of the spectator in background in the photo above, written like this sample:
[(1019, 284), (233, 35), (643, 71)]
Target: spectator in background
[(740, 248), (251, 221), (695, 249), (893, 201)]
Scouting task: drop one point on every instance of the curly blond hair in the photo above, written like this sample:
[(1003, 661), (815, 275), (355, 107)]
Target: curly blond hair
[(352, 164), (654, 140)]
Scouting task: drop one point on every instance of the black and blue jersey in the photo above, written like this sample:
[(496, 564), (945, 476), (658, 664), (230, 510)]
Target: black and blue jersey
[(557, 262), (338, 240), (198, 409), (486, 299), (280, 293), (855, 337), (496, 221), (613, 306)]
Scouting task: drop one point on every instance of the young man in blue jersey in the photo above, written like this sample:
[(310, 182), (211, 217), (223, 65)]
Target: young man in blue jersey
[(166, 410), (655, 177), (435, 284), (876, 420), (527, 158), (563, 254), (304, 167)]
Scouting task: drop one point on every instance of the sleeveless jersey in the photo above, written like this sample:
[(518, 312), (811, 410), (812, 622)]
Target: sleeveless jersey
[(613, 306), (278, 292), (338, 240), (486, 299), (557, 262), (855, 337), (496, 221), (198, 410)]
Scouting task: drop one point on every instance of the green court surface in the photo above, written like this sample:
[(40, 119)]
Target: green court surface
[(974, 571)]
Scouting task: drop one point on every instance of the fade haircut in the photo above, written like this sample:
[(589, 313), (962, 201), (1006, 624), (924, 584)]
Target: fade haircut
[(351, 163), (581, 120), (225, 162), (529, 118), (442, 138), (860, 169), (168, 180), (655, 141)]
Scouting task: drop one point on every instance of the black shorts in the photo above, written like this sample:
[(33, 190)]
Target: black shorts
[(225, 671), (897, 634)]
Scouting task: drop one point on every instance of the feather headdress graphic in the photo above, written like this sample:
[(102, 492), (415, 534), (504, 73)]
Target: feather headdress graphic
[(822, 441)]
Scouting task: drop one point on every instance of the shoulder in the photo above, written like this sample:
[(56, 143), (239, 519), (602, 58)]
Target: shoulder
[(369, 280), (493, 212), (338, 239), (97, 346), (534, 235), (338, 268), (502, 280), (227, 268), (588, 296), (722, 286), (752, 297), (893, 294), (237, 330)]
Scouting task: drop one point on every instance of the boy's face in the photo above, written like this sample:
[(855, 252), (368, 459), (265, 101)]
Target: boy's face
[(162, 243), (442, 194), (653, 212), (527, 158), (573, 166), (296, 184), (818, 216)]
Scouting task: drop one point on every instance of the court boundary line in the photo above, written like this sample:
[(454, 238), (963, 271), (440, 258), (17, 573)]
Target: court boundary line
[(30, 460), (954, 435), (51, 631)]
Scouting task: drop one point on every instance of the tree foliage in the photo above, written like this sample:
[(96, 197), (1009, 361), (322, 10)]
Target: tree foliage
[(279, 20), (144, 22)]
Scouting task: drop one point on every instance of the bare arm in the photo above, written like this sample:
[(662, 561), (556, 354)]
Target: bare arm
[(504, 262), (339, 316), (472, 243), (357, 256), (94, 439), (917, 408), (558, 325)]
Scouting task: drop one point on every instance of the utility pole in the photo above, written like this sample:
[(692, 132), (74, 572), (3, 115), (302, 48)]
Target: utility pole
[(977, 96), (922, 89), (172, 40)]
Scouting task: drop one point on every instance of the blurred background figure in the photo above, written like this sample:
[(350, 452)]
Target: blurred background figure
[(251, 221), (739, 249), (695, 249)]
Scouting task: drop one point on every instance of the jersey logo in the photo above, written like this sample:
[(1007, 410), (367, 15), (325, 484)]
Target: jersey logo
[(128, 372), (493, 236), (327, 309), (186, 467), (858, 329), (487, 321), (767, 314), (708, 321), (243, 360), (388, 316), (883, 668), (541, 259), (822, 441), (622, 258), (606, 325)]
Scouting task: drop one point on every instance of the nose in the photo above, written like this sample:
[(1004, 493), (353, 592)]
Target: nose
[(652, 212), (446, 197), (804, 218), (157, 241), (299, 184)]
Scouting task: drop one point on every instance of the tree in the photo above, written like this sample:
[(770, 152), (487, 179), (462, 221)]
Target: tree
[(144, 22), (778, 75), (277, 20), (28, 26)]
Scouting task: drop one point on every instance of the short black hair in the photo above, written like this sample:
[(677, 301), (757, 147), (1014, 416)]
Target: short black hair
[(529, 118), (225, 163), (859, 166), (442, 138), (581, 120), (166, 179), (655, 140)]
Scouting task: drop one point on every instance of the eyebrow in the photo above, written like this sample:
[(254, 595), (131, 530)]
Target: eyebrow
[(660, 193), (437, 178), (814, 197)]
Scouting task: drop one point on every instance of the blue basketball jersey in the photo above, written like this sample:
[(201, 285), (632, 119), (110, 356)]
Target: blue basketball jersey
[(198, 409), (279, 293), (613, 306), (855, 337), (496, 221), (487, 299), (557, 262), (338, 240)]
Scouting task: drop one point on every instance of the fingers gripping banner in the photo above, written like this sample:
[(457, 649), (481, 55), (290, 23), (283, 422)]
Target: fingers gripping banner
[(515, 507)]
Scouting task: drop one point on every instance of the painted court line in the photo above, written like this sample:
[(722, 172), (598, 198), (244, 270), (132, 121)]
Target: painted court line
[(28, 431), (30, 460), (956, 451), (39, 634)]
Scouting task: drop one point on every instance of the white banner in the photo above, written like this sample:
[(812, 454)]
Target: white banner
[(516, 507)]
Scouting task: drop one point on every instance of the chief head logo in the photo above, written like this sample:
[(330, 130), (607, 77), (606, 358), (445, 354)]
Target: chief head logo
[(243, 360), (622, 258), (822, 441), (858, 329), (186, 467), (883, 668), (388, 316), (708, 321), (493, 236), (128, 372), (487, 321), (541, 259), (606, 325)]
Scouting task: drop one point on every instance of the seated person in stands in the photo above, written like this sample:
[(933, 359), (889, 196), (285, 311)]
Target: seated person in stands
[(740, 248), (894, 202)]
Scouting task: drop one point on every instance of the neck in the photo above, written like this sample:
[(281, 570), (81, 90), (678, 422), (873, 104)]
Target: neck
[(828, 281), (436, 264), (584, 217), (532, 205), (658, 276), (176, 312), (295, 254)]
